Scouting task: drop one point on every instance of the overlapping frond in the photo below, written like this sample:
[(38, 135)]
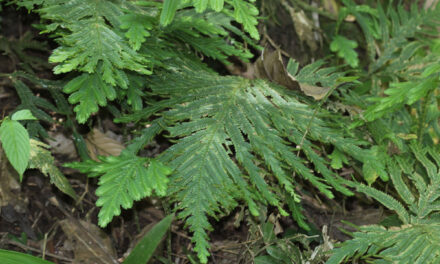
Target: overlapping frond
[(111, 40), (243, 11), (238, 139), (416, 240), (122, 180), (41, 158)]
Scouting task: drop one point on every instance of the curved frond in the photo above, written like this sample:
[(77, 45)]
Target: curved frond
[(237, 139), (417, 239), (122, 180)]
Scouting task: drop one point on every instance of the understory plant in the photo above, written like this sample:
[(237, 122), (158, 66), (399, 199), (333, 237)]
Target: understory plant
[(238, 140)]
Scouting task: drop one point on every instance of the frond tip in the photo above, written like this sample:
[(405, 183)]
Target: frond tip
[(124, 179)]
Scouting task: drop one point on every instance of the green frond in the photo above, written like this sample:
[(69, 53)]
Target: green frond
[(88, 91), (399, 94), (94, 47), (41, 158), (113, 40), (403, 25), (122, 180), (402, 189), (407, 244), (37, 105), (416, 241), (345, 48), (387, 200), (244, 12), (70, 11), (91, 41), (207, 33), (431, 168), (236, 140), (392, 29), (315, 73), (137, 26)]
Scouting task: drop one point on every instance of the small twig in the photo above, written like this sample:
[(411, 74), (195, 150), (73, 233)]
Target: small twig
[(26, 247), (37, 219), (86, 190), (44, 246), (271, 42)]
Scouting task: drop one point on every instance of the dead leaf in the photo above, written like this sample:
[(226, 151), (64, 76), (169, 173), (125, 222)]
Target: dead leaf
[(271, 66), (314, 91), (101, 144), (89, 243), (275, 220), (303, 27), (62, 145)]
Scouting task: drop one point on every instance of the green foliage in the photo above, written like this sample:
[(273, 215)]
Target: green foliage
[(236, 139), (398, 91), (415, 241), (36, 105), (15, 142), (41, 158), (18, 51), (23, 115), (92, 38), (88, 99), (401, 93), (23, 152), (288, 247), (218, 119), (137, 27), (122, 180), (145, 248), (345, 49), (13, 257), (244, 12)]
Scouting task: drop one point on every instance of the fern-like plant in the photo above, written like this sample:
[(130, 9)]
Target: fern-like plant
[(234, 139), (237, 140), (416, 239)]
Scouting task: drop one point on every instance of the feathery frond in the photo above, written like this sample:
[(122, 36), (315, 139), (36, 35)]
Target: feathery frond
[(225, 126), (416, 240), (122, 180), (41, 158)]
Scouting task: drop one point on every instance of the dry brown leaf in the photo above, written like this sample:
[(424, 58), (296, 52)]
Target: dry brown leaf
[(314, 91), (101, 144), (89, 243), (60, 144), (271, 66)]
